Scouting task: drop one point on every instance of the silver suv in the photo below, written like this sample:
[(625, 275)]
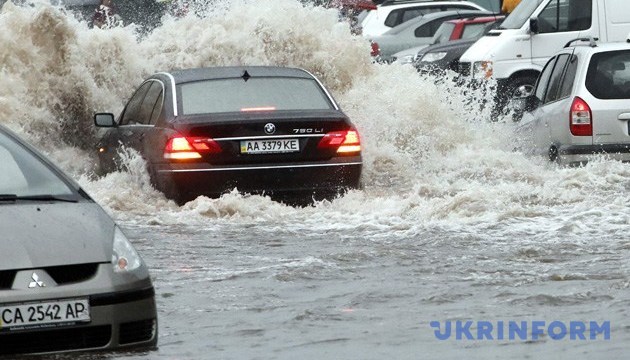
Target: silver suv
[(580, 105)]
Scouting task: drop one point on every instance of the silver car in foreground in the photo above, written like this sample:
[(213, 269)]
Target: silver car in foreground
[(580, 105), (69, 278)]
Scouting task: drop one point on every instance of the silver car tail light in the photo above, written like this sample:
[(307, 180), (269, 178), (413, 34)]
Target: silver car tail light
[(581, 118)]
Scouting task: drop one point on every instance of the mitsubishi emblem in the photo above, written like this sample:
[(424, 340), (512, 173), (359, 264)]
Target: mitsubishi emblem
[(270, 128), (36, 282)]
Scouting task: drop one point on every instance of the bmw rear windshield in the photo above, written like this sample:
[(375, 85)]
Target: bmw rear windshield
[(252, 94)]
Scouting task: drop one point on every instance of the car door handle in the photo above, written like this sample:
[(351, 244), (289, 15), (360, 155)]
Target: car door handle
[(624, 116)]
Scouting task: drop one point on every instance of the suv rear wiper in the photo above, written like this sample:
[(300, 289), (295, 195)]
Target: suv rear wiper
[(14, 197)]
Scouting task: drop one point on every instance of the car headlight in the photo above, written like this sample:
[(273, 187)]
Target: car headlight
[(483, 69), (407, 59), (125, 258), (433, 56)]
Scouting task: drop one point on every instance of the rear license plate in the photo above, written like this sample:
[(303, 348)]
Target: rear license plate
[(269, 146), (44, 314)]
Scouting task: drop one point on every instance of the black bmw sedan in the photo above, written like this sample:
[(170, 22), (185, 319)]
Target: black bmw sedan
[(264, 130)]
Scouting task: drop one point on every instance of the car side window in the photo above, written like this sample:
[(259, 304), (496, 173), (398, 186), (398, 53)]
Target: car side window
[(148, 104), (543, 80), (569, 78), (132, 110), (157, 108), (554, 82), (429, 29), (565, 15)]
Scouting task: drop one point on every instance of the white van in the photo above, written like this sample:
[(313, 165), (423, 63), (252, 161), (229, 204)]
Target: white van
[(515, 53)]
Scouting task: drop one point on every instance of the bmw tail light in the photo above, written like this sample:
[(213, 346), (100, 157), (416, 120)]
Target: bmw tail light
[(346, 142), (188, 148), (581, 118)]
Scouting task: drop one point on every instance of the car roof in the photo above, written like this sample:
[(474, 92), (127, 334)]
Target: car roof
[(594, 46), (405, 4), (433, 16), (226, 72)]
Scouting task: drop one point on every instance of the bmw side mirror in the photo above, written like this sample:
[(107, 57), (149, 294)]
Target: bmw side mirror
[(104, 120), (533, 26)]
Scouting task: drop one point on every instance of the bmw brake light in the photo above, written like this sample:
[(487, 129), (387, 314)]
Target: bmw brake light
[(190, 148), (581, 118), (345, 142)]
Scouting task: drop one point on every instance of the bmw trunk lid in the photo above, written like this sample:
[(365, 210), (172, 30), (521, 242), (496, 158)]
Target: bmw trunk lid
[(260, 137)]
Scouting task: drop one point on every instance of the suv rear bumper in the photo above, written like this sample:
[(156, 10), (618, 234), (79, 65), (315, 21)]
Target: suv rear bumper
[(581, 154)]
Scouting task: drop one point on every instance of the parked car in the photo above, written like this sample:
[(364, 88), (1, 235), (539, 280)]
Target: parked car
[(388, 15), (206, 131), (417, 32), (581, 104), (445, 56), (514, 54), (69, 278), (450, 41)]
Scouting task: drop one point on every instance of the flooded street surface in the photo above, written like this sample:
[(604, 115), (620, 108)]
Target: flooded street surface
[(455, 223), (261, 289)]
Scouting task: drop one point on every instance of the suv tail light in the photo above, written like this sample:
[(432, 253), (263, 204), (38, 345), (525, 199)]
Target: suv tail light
[(188, 148), (346, 142), (581, 119)]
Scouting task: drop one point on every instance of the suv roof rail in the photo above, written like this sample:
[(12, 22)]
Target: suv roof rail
[(591, 41)]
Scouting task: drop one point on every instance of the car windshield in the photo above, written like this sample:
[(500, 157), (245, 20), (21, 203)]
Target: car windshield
[(23, 174), (264, 93), (608, 75), (521, 14), (443, 33), (472, 31)]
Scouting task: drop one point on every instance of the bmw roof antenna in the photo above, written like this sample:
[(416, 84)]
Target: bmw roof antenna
[(245, 75)]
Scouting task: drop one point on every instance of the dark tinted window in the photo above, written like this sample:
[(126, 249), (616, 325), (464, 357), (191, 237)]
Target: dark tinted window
[(608, 75), (569, 78), (132, 110), (565, 15), (23, 174), (429, 29), (235, 95), (148, 104), (556, 76), (543, 79)]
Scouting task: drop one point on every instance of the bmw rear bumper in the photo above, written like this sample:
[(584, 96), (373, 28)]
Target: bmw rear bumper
[(191, 180)]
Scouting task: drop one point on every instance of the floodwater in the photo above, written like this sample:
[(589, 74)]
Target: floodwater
[(454, 222)]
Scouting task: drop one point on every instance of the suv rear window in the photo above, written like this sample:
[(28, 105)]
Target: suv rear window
[(608, 75), (235, 95)]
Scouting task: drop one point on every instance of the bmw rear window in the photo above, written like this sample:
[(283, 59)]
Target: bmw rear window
[(255, 94)]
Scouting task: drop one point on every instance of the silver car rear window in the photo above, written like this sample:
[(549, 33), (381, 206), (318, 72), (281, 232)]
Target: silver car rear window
[(608, 75), (23, 174), (265, 93)]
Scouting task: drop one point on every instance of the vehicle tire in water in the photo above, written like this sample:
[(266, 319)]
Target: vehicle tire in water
[(511, 89)]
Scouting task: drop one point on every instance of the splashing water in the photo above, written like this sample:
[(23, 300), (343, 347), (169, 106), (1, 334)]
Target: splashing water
[(431, 155)]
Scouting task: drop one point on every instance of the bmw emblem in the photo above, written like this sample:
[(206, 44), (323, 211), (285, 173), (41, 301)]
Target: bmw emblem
[(270, 128)]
